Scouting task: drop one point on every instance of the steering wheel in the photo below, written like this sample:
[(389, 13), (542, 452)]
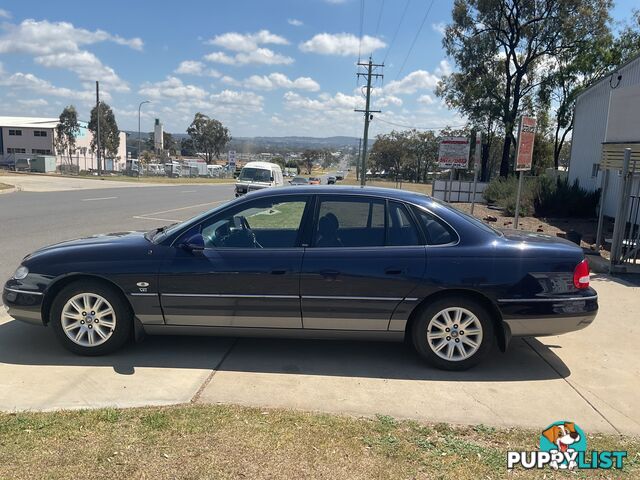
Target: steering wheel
[(250, 233)]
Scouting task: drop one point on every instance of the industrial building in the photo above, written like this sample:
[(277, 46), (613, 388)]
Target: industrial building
[(28, 137), (607, 114)]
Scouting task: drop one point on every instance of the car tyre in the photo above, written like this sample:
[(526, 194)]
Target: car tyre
[(87, 331), (439, 334)]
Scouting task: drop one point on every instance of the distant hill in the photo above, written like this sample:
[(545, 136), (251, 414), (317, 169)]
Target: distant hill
[(267, 144)]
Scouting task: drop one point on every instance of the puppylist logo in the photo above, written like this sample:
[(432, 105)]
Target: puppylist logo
[(563, 445)]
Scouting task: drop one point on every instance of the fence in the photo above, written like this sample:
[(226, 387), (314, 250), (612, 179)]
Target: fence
[(458, 191)]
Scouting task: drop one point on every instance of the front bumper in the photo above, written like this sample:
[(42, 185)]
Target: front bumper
[(23, 298), (539, 317)]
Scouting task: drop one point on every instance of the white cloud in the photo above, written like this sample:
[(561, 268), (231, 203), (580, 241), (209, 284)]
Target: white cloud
[(4, 13), (295, 22), (439, 27), (226, 79), (339, 103), (343, 44), (40, 86), (193, 67), (238, 98), (443, 68), (58, 45), (246, 42), (426, 99), (37, 102), (172, 88), (418, 80), (335, 2), (387, 100), (260, 56), (280, 80)]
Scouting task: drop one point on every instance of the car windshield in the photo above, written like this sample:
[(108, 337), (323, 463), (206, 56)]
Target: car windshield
[(249, 174)]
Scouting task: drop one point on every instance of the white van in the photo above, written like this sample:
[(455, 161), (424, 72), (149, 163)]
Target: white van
[(215, 170), (259, 175)]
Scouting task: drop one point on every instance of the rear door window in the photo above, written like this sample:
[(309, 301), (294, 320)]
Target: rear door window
[(350, 222), (436, 230)]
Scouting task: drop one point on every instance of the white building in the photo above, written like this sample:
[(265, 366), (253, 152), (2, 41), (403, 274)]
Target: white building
[(26, 137), (158, 137), (591, 118)]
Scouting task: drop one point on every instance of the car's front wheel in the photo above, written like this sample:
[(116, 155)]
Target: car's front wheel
[(453, 333), (91, 318)]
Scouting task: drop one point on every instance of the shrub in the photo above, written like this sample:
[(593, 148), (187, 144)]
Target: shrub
[(503, 192), (558, 198)]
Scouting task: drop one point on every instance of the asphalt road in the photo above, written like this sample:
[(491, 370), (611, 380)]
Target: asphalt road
[(30, 220)]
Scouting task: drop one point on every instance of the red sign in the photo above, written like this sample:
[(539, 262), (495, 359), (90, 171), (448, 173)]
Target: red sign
[(526, 136), (454, 152)]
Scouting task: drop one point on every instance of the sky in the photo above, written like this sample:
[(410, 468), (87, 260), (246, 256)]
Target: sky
[(263, 68)]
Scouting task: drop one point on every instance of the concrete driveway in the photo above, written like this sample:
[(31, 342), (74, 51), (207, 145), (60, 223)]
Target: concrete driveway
[(589, 376)]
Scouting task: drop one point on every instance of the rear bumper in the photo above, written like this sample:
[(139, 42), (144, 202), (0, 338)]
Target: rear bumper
[(538, 317)]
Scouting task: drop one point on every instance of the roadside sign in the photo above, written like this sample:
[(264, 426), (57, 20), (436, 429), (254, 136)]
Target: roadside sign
[(526, 136), (454, 152), (231, 158)]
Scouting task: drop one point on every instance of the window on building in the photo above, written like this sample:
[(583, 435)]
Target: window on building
[(40, 151), (595, 168), (39, 133), (17, 133), (16, 150)]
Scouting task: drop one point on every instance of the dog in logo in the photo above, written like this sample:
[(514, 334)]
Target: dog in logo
[(563, 436)]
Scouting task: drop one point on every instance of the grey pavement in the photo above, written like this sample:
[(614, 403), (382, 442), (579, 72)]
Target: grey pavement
[(589, 376)]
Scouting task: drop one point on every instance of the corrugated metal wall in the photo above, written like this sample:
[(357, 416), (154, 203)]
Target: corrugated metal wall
[(589, 131)]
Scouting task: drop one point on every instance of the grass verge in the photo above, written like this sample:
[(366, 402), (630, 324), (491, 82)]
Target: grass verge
[(235, 442), (4, 186)]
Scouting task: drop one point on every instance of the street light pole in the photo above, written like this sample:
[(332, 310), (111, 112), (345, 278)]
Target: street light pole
[(139, 107)]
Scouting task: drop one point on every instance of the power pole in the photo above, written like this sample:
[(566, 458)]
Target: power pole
[(358, 162), (98, 129), (367, 113)]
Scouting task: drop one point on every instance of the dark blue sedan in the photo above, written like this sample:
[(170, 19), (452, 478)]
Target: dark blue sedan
[(311, 262)]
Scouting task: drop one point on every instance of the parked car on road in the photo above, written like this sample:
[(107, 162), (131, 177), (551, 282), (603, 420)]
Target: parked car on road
[(331, 180), (259, 175), (299, 181), (311, 262), (340, 175), (22, 165), (314, 181)]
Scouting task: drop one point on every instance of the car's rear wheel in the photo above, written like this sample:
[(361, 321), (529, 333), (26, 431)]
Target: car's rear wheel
[(453, 333), (91, 318)]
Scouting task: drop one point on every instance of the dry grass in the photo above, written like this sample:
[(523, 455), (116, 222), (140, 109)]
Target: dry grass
[(234, 442), (425, 188), (4, 186)]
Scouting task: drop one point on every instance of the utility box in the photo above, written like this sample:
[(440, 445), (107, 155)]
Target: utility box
[(46, 164)]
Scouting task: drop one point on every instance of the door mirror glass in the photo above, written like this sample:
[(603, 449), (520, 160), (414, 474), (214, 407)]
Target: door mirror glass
[(195, 243)]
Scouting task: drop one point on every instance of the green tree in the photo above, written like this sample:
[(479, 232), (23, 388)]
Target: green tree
[(66, 132), (309, 158), (209, 136), (389, 153), (515, 39), (187, 149), (109, 133)]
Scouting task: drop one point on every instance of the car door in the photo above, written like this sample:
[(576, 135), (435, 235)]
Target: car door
[(248, 274), (361, 263)]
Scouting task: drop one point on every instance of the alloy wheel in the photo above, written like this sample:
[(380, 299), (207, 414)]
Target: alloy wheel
[(454, 334), (88, 319)]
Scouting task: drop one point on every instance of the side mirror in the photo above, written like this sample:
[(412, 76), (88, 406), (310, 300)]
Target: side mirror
[(271, 178), (194, 244)]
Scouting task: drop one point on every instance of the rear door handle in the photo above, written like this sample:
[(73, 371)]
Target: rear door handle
[(278, 272), (329, 273)]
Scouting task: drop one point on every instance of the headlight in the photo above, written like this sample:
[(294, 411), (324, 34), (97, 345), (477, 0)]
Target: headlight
[(21, 272)]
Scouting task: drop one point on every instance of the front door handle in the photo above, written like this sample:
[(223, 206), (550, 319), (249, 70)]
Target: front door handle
[(278, 272), (393, 271)]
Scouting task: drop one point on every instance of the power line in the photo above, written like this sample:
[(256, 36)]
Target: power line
[(424, 19), (395, 34), (418, 128), (379, 17)]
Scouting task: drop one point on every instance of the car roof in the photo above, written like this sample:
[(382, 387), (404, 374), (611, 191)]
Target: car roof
[(391, 193), (265, 165)]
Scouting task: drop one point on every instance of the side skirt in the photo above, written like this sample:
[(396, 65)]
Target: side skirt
[(275, 333)]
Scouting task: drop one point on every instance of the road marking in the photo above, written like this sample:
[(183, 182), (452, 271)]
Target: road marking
[(156, 218), (100, 198), (183, 208), (152, 215), (188, 191)]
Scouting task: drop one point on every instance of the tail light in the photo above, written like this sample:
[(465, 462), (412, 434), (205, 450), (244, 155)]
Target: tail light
[(581, 275)]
